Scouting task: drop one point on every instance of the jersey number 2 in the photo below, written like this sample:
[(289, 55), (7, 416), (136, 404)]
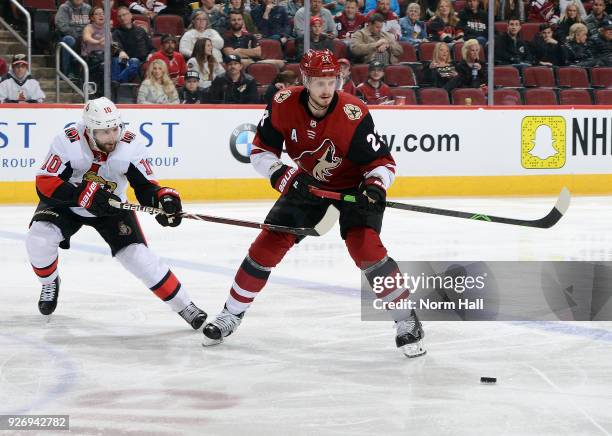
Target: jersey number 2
[(373, 141)]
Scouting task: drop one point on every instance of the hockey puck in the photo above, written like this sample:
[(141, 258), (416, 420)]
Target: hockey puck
[(488, 380)]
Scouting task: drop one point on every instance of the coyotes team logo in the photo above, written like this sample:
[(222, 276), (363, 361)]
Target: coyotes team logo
[(323, 160), (282, 96), (352, 112)]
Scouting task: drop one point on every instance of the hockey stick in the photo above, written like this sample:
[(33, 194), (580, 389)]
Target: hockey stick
[(321, 228), (546, 222)]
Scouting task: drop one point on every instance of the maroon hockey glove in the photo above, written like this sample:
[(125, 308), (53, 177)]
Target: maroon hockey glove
[(169, 200), (289, 180), (372, 195), (94, 197)]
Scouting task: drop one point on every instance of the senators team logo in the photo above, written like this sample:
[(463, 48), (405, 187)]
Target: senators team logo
[(281, 96), (352, 112), (92, 175), (322, 161)]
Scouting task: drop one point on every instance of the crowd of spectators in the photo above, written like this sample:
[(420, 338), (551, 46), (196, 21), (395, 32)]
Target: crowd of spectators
[(213, 60)]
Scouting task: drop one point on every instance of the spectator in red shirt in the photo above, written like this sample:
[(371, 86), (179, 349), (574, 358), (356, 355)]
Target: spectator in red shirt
[(374, 90), (173, 59), (348, 85), (349, 21)]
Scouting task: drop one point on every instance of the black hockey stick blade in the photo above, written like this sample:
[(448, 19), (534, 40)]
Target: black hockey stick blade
[(318, 230), (546, 222)]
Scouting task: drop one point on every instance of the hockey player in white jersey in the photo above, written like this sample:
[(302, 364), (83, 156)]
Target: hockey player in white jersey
[(89, 164)]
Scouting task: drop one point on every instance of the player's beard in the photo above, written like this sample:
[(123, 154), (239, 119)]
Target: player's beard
[(321, 103)]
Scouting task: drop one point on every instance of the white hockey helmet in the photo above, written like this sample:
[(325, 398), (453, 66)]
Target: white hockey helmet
[(101, 113)]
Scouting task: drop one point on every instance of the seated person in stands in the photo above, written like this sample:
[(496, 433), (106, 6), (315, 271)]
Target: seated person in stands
[(372, 43), (283, 80), (374, 90), (371, 5), (92, 48), (569, 17), (204, 62), (157, 88), (70, 20), (471, 71), (441, 69), (349, 21), (174, 61), (272, 20), (243, 44), (249, 22), (199, 29), (19, 86), (546, 50), (510, 49), (191, 93), (443, 25), (596, 18), (216, 16), (511, 8), (234, 86), (602, 44), (473, 20), (123, 69), (316, 10), (132, 39), (348, 85), (391, 19), (148, 8), (577, 51), (414, 30), (318, 39)]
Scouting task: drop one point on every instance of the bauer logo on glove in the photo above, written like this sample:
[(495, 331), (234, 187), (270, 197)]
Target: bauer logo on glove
[(169, 200)]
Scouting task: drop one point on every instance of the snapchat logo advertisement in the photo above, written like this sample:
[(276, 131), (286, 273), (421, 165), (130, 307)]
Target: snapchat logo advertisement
[(543, 142)]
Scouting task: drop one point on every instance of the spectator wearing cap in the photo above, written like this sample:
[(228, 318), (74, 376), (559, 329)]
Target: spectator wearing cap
[(157, 88), (349, 21), (546, 49), (199, 29), (374, 90), (345, 75), (414, 31), (272, 20), (316, 10), (602, 44), (191, 93), (283, 80), (133, 40), (234, 86), (19, 86), (391, 19), (173, 59), (70, 20), (318, 40), (597, 16), (372, 43), (204, 62)]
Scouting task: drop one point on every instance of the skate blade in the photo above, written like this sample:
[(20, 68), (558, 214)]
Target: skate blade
[(207, 342), (415, 349)]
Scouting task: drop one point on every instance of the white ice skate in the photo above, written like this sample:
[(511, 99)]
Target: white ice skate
[(409, 337), (224, 325)]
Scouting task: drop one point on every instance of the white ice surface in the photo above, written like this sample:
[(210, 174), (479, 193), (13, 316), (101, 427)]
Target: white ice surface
[(119, 362)]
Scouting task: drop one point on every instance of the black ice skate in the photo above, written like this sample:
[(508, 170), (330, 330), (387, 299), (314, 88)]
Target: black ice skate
[(224, 325), (48, 297), (194, 316), (410, 336)]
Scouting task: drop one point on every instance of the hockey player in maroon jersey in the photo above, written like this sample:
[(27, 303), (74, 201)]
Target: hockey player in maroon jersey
[(89, 164), (330, 135)]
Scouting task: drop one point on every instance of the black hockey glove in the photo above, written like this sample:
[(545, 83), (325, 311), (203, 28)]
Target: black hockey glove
[(169, 200), (372, 195), (94, 197), (289, 180)]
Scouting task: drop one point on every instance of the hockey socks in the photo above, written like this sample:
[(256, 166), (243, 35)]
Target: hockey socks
[(250, 279)]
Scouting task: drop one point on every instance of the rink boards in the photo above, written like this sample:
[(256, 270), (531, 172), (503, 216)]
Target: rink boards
[(203, 151)]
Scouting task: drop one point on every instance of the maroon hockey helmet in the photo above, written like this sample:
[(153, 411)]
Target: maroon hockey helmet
[(321, 63)]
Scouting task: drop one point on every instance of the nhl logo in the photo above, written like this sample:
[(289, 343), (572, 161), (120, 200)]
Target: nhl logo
[(124, 229), (282, 96), (352, 112)]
